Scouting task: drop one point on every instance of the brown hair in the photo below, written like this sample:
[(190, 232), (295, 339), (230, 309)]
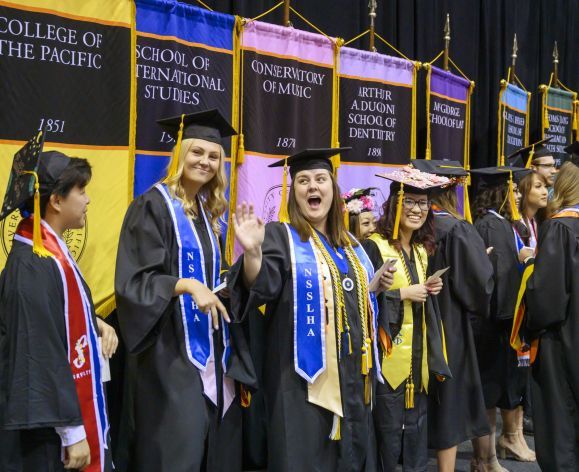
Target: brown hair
[(385, 226), (337, 234), (566, 188), (447, 200), (493, 198), (212, 194), (525, 187)]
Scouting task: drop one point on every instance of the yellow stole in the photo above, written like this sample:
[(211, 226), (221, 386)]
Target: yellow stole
[(396, 367)]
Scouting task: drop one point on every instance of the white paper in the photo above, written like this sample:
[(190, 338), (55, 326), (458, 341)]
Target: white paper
[(220, 287), (437, 274), (375, 282), (105, 367)]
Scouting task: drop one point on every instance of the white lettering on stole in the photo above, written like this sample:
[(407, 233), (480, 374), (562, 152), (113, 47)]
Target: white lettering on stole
[(309, 296), (309, 308), (196, 318), (309, 283), (190, 258), (311, 319), (311, 333), (308, 272)]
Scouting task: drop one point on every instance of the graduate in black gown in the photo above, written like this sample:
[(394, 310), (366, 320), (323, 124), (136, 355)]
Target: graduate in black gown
[(184, 356), (552, 299), (456, 410), (319, 342), (52, 406), (503, 380), (415, 359)]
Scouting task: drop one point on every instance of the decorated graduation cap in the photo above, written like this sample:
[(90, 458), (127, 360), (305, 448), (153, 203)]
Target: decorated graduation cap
[(451, 169), (525, 156), (34, 173), (208, 125), (308, 159), (494, 176), (414, 181)]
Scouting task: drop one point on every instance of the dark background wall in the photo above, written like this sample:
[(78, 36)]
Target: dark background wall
[(482, 35)]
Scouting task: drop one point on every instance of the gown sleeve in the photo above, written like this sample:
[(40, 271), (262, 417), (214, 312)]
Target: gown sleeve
[(550, 286), (471, 274), (505, 268), (35, 375), (144, 285), (275, 270)]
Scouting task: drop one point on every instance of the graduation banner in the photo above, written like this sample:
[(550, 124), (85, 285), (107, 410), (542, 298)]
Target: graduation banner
[(560, 120), (377, 115), (513, 120), (287, 78), (185, 64), (448, 116), (68, 69)]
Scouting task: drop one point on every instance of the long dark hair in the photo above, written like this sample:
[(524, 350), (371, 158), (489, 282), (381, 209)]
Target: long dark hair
[(337, 234), (385, 226)]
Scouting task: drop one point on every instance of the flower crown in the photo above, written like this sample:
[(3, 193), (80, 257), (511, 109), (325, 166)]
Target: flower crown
[(358, 201)]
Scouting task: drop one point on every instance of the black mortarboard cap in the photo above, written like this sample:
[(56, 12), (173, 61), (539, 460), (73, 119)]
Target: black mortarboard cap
[(440, 167), (524, 156), (359, 193), (209, 125), (573, 148), (309, 159)]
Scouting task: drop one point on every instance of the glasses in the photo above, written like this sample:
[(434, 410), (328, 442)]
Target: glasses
[(410, 203), (547, 166)]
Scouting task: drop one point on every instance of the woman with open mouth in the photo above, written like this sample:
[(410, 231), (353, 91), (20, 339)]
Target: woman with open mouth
[(410, 328), (319, 347)]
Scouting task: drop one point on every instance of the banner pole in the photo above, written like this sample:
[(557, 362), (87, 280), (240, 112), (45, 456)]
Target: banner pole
[(372, 14), (286, 13), (446, 42), (555, 66), (514, 59)]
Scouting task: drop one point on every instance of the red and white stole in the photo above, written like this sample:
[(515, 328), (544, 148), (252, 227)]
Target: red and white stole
[(83, 349)]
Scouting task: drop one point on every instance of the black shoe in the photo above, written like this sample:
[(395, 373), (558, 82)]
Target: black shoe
[(528, 426)]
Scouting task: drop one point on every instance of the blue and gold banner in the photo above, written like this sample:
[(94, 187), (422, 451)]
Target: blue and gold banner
[(184, 64), (513, 122)]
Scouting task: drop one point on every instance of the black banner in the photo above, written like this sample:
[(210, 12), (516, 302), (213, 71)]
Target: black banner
[(175, 78), (375, 120), (287, 104), (560, 131), (447, 128), (514, 130), (70, 76)]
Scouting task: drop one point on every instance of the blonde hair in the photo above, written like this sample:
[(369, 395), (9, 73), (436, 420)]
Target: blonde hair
[(566, 188), (447, 200), (211, 195)]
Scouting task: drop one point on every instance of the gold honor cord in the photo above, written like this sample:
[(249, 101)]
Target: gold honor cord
[(409, 393)]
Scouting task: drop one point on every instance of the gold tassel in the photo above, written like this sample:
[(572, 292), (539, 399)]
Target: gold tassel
[(346, 217), (240, 149), (283, 215), (335, 434), (398, 212), (514, 210), (37, 244), (365, 366), (409, 394), (367, 390), (174, 164), (466, 205), (530, 159)]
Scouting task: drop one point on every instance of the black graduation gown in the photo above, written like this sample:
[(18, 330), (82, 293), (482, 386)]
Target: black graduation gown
[(401, 433), (552, 299), (37, 390), (298, 431), (456, 411), (504, 383), (174, 426)]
